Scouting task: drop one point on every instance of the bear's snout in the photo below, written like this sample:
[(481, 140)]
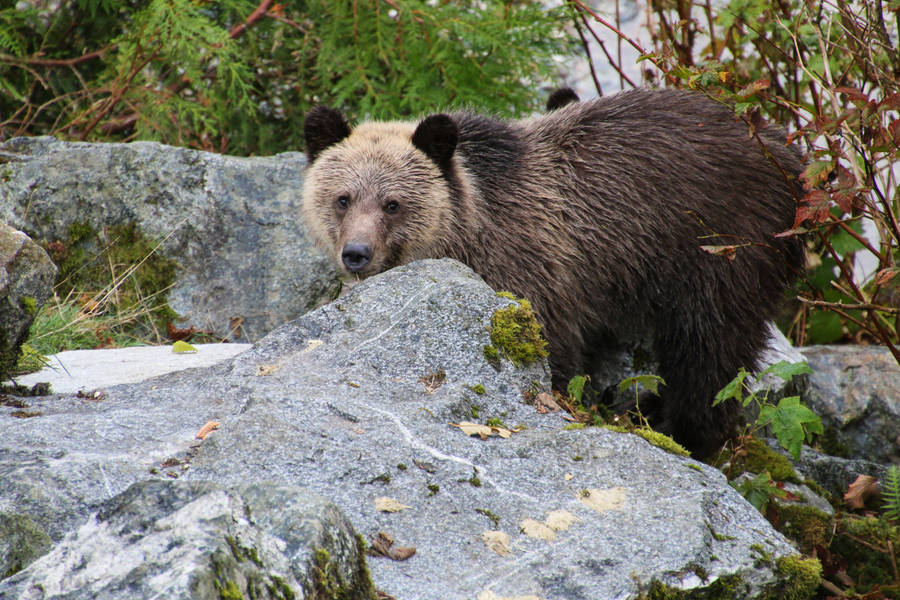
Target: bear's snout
[(356, 256)]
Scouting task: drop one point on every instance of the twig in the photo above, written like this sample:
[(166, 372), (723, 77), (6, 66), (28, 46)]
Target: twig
[(57, 62), (587, 52), (609, 58), (841, 305), (258, 13)]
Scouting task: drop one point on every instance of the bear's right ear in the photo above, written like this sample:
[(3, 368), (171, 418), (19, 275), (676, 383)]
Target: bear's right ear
[(323, 127), (436, 136)]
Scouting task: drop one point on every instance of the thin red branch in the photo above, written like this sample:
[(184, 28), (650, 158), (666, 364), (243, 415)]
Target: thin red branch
[(257, 14)]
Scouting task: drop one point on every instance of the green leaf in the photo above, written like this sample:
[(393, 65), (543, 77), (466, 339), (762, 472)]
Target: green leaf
[(734, 389), (792, 422), (759, 490), (825, 327), (787, 371), (649, 382), (576, 387), (182, 347)]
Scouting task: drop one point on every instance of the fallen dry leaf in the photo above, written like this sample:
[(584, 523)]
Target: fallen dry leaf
[(568, 477), (497, 541), (537, 530), (383, 545), (311, 345), (545, 403), (560, 520), (265, 370), (182, 347), (433, 381), (860, 490), (385, 504), (603, 500), (207, 429), (483, 431)]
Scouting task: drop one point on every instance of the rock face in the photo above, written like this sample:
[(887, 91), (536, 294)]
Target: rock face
[(231, 224), (355, 402), (26, 280), (199, 541), (856, 392)]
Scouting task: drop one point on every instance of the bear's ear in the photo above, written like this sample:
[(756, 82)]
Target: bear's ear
[(560, 98), (323, 127), (436, 136)]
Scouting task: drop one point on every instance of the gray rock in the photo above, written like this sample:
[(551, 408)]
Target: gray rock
[(199, 541), (232, 224), (856, 392), (833, 473), (355, 401), (26, 280)]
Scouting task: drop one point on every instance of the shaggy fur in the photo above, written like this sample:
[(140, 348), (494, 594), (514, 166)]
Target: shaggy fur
[(596, 212)]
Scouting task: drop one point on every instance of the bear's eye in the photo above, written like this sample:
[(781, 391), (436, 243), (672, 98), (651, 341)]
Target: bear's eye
[(343, 201), (391, 207)]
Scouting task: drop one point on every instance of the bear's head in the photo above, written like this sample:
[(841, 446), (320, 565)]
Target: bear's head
[(378, 195)]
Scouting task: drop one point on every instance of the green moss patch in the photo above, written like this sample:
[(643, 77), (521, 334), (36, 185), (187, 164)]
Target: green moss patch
[(755, 456), (660, 440), (806, 525), (515, 334), (23, 541)]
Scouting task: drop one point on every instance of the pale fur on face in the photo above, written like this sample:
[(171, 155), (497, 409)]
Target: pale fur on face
[(375, 165)]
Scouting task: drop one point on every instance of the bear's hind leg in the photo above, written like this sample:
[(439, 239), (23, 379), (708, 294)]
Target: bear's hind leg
[(699, 352)]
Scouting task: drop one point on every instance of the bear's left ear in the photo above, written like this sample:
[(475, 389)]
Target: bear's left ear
[(436, 136), (323, 127)]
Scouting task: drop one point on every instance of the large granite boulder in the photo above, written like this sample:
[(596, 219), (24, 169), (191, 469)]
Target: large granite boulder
[(231, 226), (360, 402)]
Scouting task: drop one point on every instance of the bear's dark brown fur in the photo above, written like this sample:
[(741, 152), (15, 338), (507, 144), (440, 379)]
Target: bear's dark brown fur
[(596, 212)]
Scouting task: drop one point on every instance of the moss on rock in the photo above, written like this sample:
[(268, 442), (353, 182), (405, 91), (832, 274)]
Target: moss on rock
[(516, 333), (21, 542), (660, 440)]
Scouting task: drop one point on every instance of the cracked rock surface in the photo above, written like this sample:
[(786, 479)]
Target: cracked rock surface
[(354, 401)]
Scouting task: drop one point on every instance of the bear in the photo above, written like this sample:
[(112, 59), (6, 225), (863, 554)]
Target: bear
[(645, 212)]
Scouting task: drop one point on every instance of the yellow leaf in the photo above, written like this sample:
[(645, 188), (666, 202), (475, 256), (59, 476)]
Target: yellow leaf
[(537, 530), (182, 347), (385, 504), (603, 500), (483, 431), (497, 541), (560, 520)]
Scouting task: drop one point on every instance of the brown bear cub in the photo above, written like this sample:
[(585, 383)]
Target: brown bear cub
[(597, 212)]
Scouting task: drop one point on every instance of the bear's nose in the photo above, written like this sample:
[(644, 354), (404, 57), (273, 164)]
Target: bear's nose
[(356, 256)]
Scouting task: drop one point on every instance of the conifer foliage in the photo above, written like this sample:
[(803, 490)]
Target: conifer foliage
[(237, 76)]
